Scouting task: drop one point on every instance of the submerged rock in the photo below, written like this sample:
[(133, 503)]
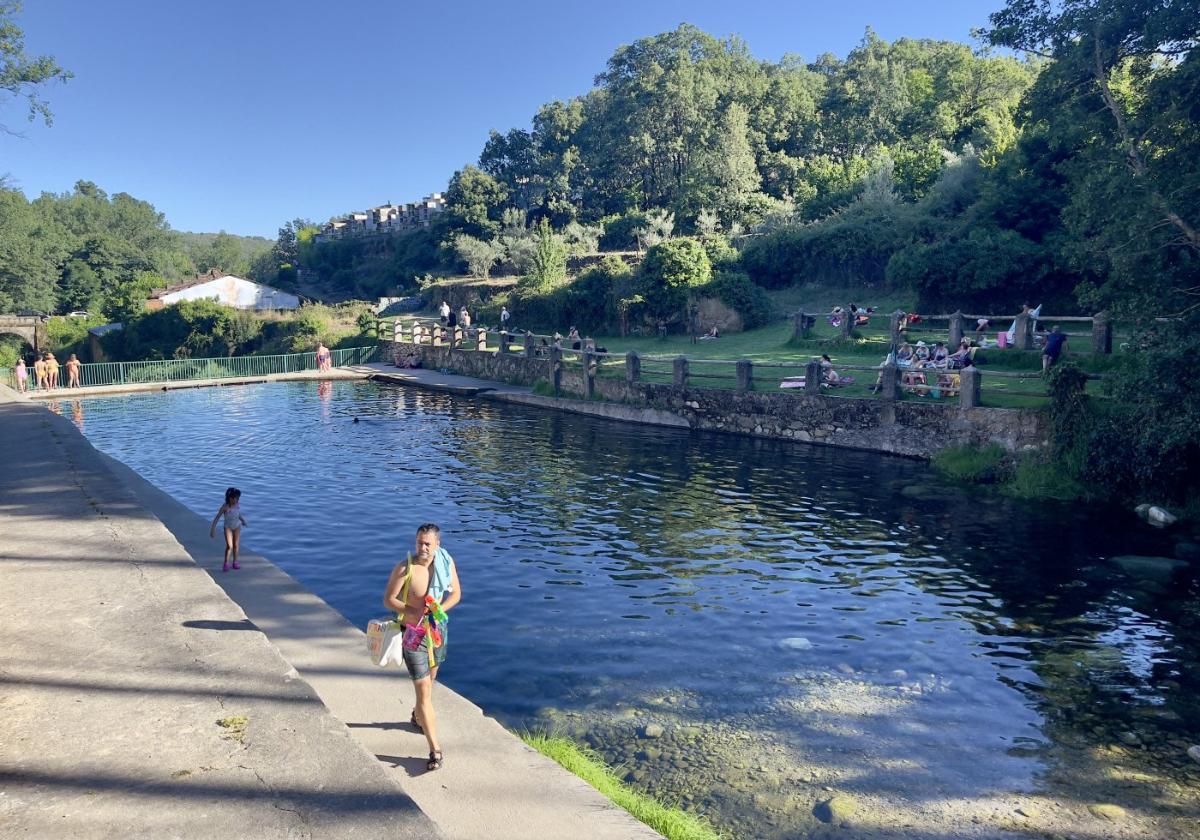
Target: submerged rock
[(796, 643), (1187, 551), (1194, 753), (1156, 515), (1159, 569), (652, 730)]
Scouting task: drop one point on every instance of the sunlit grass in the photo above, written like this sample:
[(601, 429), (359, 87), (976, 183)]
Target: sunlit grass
[(672, 823)]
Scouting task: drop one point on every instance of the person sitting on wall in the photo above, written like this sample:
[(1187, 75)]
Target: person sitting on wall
[(904, 357), (921, 353), (940, 354)]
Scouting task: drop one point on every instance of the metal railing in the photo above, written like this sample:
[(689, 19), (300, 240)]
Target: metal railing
[(94, 374)]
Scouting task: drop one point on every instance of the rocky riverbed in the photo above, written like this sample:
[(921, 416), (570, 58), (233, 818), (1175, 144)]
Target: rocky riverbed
[(861, 765)]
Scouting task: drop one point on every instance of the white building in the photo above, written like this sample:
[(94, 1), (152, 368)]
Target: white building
[(225, 289)]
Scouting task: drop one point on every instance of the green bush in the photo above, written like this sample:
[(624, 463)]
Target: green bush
[(1038, 477), (849, 248), (721, 255), (620, 232), (670, 271), (975, 464), (737, 291)]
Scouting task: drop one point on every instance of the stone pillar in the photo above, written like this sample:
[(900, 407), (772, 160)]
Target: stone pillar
[(1024, 334), (556, 368), (847, 323), (589, 371), (503, 342), (957, 326), (396, 329), (969, 381), (680, 370), (890, 381), (798, 330), (633, 367), (745, 375), (897, 317), (439, 336), (481, 339), (530, 347), (812, 377), (1101, 333)]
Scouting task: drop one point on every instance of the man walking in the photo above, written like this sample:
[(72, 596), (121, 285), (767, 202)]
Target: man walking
[(431, 571), (444, 311)]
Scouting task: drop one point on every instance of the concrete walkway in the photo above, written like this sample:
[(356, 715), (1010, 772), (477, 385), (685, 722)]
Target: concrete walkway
[(492, 785), (119, 655), (131, 387), (118, 659)]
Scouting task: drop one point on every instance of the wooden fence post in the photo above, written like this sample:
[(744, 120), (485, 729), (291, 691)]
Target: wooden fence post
[(890, 381), (957, 327), (680, 371), (745, 375), (1024, 335), (633, 367), (589, 371), (812, 377), (556, 368), (800, 325), (897, 317), (1101, 333), (969, 387)]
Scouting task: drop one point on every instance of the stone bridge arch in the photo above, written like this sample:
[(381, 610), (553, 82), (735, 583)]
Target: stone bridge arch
[(32, 328)]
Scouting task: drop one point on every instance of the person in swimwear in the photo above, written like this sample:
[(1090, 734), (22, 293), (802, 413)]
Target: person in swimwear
[(232, 511), (432, 572)]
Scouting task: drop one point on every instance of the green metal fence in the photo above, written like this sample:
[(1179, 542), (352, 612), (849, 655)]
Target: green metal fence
[(179, 370)]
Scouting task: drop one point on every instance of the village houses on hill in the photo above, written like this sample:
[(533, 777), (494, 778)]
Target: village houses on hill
[(386, 218)]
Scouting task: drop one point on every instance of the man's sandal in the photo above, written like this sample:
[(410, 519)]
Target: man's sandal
[(413, 720), (435, 761)]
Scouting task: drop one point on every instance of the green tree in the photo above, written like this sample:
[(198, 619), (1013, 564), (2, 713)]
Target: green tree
[(479, 255), (669, 273), (22, 76), (548, 263), (475, 203)]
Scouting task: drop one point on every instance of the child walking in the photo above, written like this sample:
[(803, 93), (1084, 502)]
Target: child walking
[(22, 375), (232, 511)]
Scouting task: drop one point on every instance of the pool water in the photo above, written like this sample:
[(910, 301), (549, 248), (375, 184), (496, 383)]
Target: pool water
[(740, 626)]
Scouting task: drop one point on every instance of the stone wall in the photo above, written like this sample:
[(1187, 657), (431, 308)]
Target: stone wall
[(903, 427)]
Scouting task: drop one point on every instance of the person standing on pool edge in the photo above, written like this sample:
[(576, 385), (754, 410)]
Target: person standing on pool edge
[(232, 511), (432, 572)]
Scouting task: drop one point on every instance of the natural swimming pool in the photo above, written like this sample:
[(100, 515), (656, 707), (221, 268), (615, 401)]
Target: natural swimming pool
[(794, 618)]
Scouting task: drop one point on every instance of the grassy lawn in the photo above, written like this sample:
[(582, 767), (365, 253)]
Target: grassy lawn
[(710, 361)]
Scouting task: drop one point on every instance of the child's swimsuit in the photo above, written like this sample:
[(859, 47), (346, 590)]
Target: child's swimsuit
[(233, 517)]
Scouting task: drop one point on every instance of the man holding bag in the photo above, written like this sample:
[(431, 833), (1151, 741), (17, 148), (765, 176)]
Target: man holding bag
[(420, 591)]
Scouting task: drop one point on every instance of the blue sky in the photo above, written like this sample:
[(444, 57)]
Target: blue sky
[(239, 116)]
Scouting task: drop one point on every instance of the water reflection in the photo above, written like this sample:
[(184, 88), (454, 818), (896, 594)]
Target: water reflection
[(877, 629)]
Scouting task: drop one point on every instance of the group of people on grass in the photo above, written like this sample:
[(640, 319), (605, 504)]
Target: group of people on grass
[(45, 373)]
